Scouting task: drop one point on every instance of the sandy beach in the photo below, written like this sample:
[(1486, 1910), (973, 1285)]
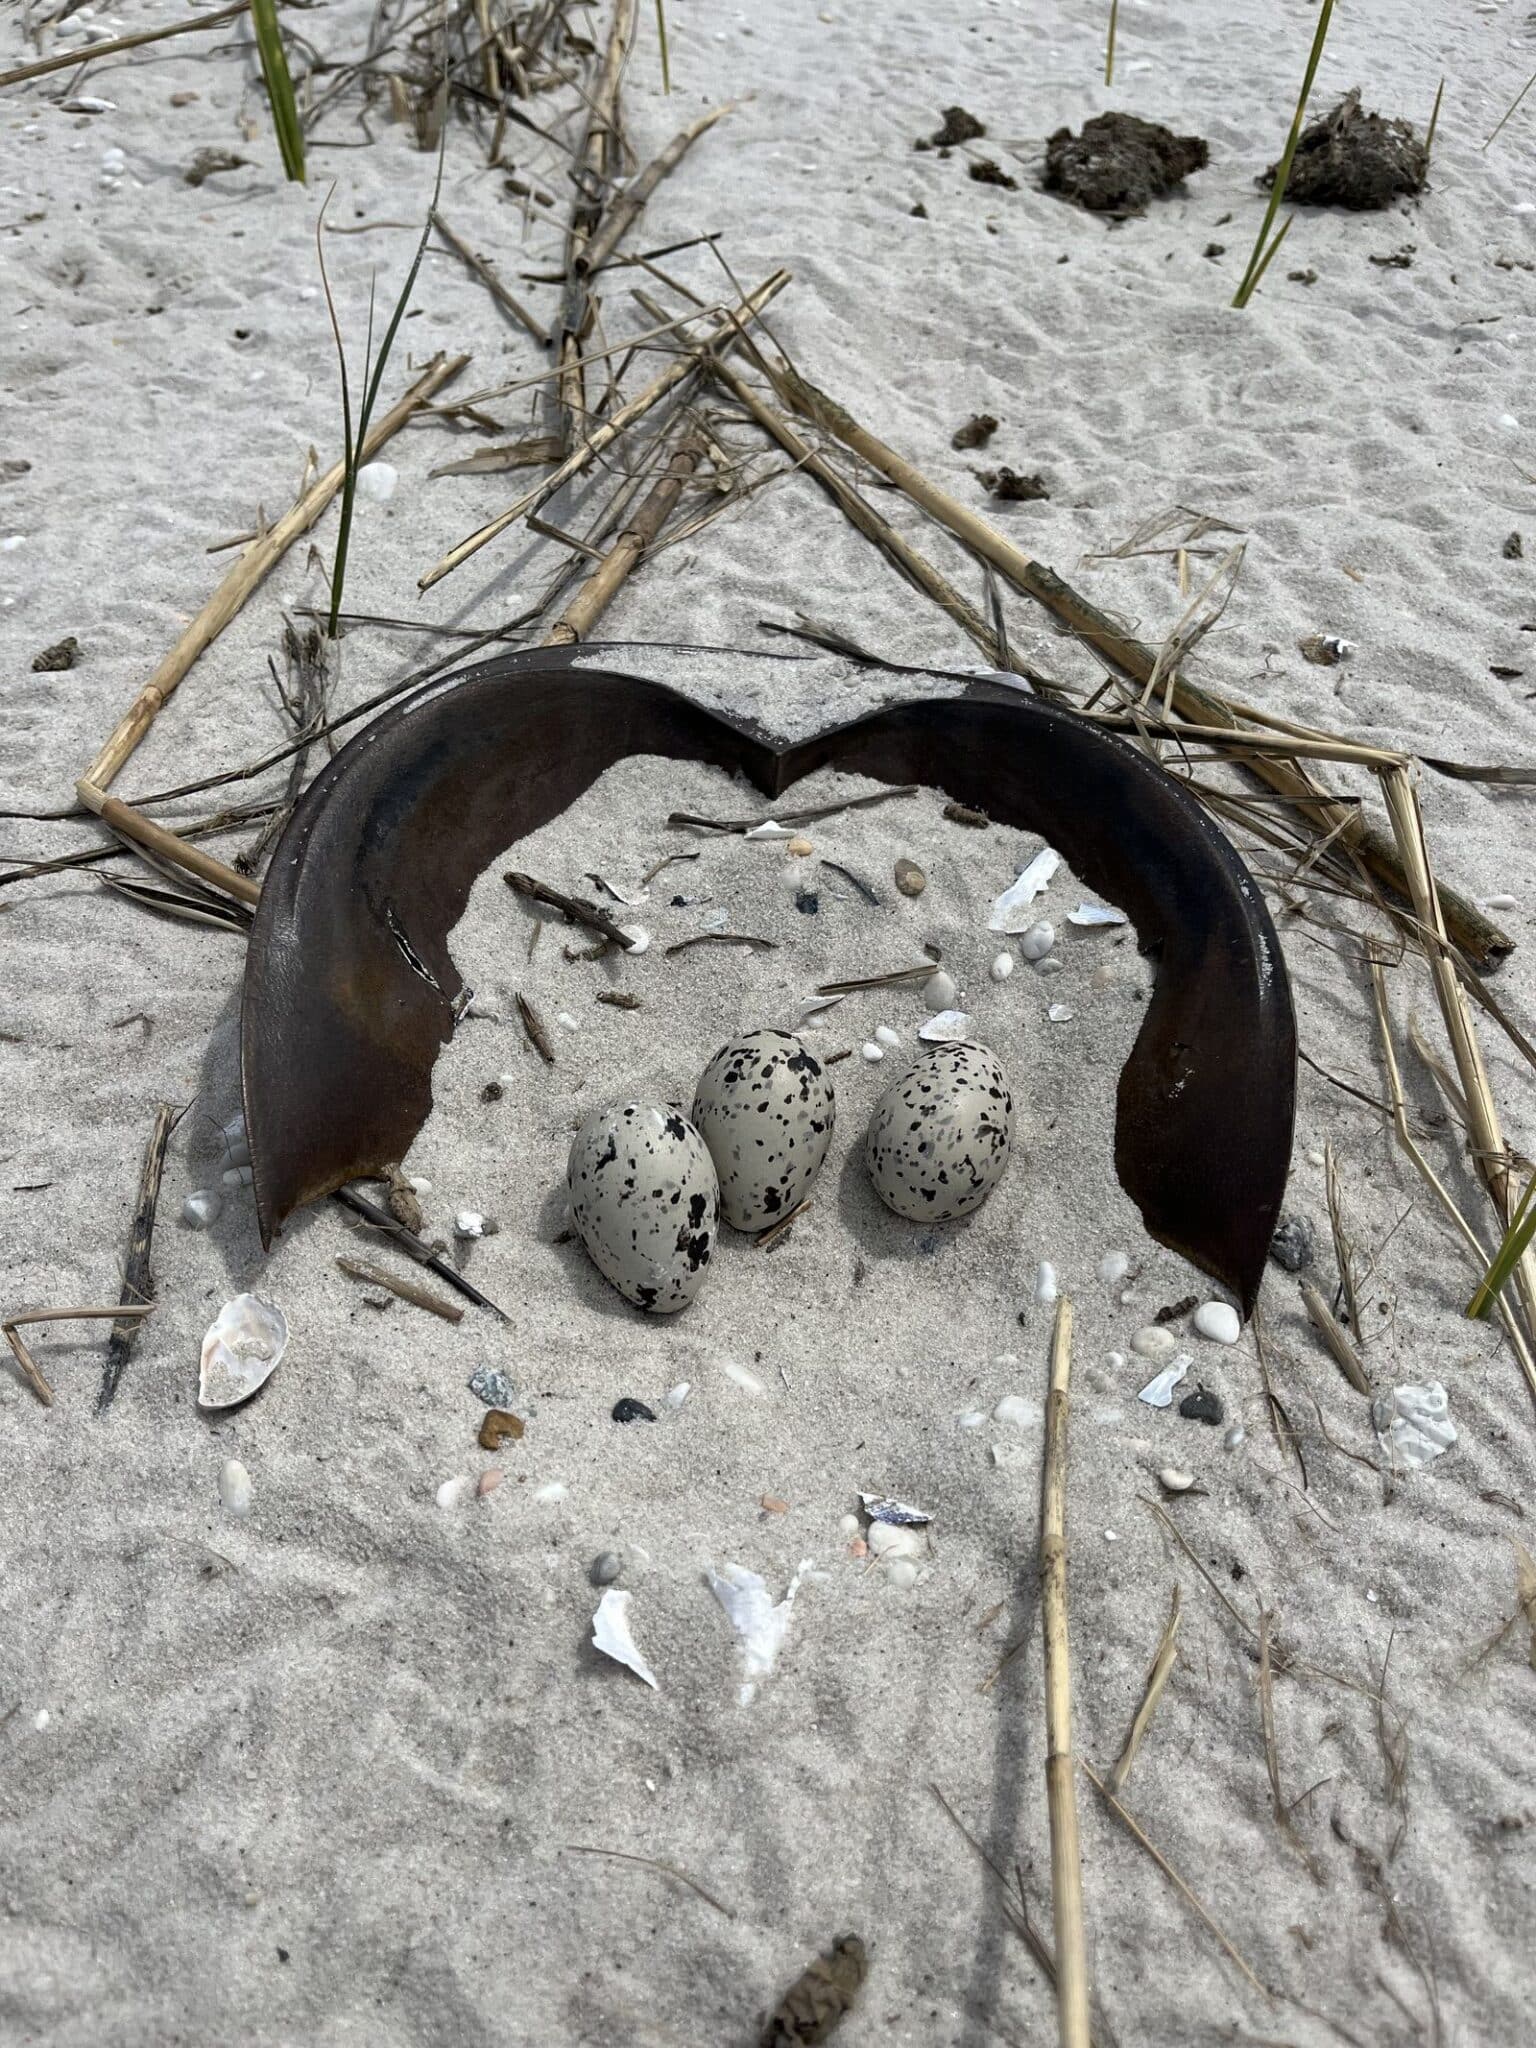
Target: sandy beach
[(347, 1768)]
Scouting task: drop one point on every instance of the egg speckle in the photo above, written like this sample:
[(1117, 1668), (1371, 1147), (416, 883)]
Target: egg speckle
[(765, 1108), (645, 1202), (940, 1136)]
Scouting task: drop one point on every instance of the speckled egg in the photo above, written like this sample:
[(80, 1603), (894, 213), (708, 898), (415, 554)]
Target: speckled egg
[(940, 1136), (766, 1110), (645, 1201)]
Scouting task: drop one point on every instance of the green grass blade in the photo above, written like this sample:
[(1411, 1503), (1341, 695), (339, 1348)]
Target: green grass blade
[(1434, 121), (1519, 96), (274, 69), (1256, 262), (661, 30), (1109, 47), (1517, 1238)]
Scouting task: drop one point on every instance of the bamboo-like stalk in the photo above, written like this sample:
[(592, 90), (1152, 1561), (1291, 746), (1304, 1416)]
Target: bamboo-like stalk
[(140, 830), (593, 444), (406, 1290), (626, 206), (88, 53), (253, 566), (1060, 1766), (597, 593), (592, 174), (1378, 849), (490, 280)]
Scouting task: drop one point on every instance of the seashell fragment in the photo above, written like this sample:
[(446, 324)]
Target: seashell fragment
[(885, 1036), (940, 990), (1174, 1479), (1414, 1424), (201, 1208), (235, 1489), (610, 1634), (1095, 914), (947, 1026), (1156, 1342), (1158, 1392), (1010, 913), (244, 1344), (760, 1624)]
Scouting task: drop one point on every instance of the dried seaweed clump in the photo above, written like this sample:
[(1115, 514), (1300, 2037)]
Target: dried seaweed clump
[(1352, 159), (957, 126), (818, 2002), (1119, 162)]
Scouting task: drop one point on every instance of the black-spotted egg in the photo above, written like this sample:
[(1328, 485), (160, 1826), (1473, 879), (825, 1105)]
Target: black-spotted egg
[(940, 1136), (766, 1109), (645, 1202)]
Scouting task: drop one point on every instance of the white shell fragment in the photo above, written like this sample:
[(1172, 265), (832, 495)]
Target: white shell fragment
[(947, 1026), (1158, 1393), (760, 1624), (1010, 913), (645, 1202), (1095, 914), (201, 1208), (941, 990), (766, 1110), (1046, 1289), (1038, 940), (1219, 1321), (469, 1223), (639, 938), (235, 1489), (1414, 1424), (1002, 967), (897, 1512), (1017, 1411), (610, 1634), (1156, 1342), (244, 1344), (454, 1492), (813, 1007), (885, 1036), (769, 829), (1113, 1268), (1060, 1013), (1174, 1479), (940, 1137), (743, 1375), (377, 480)]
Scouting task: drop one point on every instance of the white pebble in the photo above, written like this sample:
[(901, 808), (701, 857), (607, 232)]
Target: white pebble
[(1174, 1479), (1234, 1436), (743, 1375), (871, 1051), (940, 990), (676, 1396), (973, 1418), (1017, 1411), (41, 1719), (1315, 1159), (377, 480), (237, 1176), (902, 1573), (235, 1489), (1002, 967), (424, 1187), (1156, 1342), (639, 938), (11, 543), (1113, 1268), (1038, 940), (1509, 423), (885, 1036), (566, 1021), (554, 1491), (1116, 1361), (469, 1223), (1059, 1013), (202, 1208), (1046, 1289), (1500, 903), (850, 1525), (1219, 1321), (1111, 1536)]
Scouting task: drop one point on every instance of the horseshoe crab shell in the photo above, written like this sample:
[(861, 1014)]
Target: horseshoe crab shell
[(244, 1344)]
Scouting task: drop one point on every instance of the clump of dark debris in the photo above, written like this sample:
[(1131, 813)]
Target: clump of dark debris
[(958, 127), (976, 433), (1513, 550), (1353, 159), (1119, 162), (63, 654), (986, 172), (1008, 484)]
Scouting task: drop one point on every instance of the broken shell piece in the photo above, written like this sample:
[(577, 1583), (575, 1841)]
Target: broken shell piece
[(1173, 1479), (455, 1491), (1060, 1013), (760, 1624), (940, 990), (1090, 914), (1156, 1342), (1038, 940), (639, 938), (488, 1482), (1113, 1268), (202, 1208), (1017, 1410), (469, 1223), (1002, 967), (879, 1509), (910, 879), (610, 1634), (244, 1344), (1158, 1393), (947, 1026), (769, 829), (813, 1007), (1046, 1289), (1325, 650), (1010, 913), (235, 1489), (1414, 1424)]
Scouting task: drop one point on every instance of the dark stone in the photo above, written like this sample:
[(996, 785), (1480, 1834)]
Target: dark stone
[(1171, 1311), (631, 1410), (807, 902), (492, 1092), (1215, 249), (1292, 1244), (1119, 162), (1202, 1406), (959, 126), (1361, 161), (919, 212), (1513, 550)]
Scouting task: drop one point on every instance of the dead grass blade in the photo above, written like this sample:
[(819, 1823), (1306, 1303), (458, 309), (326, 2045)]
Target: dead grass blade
[(1152, 1691)]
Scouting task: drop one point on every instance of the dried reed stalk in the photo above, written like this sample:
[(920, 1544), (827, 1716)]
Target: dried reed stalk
[(490, 280), (625, 208), (252, 567), (1060, 1767), (138, 1280), (141, 831), (88, 53), (592, 173), (1343, 1352), (1343, 1248), (406, 1290), (597, 593), (1378, 849), (12, 1324), (1157, 1677), (582, 456)]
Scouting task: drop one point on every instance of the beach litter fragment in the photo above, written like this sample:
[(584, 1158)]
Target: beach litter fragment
[(761, 1624), (1158, 1392), (243, 1348), (1414, 1424), (611, 1634)]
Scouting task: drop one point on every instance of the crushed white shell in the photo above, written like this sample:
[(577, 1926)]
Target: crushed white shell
[(1046, 1289), (1002, 967), (760, 1624), (1219, 1321), (769, 829), (611, 1635), (639, 938), (1174, 1479), (1158, 1393), (469, 1223), (201, 1208), (743, 1375), (1095, 914), (676, 1396), (1060, 1013), (947, 1026), (454, 1492), (1414, 1424), (235, 1489), (1010, 913), (243, 1347)]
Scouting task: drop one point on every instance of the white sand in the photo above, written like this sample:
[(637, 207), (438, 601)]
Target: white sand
[(312, 1777)]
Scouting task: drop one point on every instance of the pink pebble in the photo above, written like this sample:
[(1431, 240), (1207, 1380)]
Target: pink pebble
[(489, 1481)]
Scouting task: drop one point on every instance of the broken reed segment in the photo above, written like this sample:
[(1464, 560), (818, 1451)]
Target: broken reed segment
[(1060, 1769), (406, 1290), (810, 817), (576, 909), (492, 283), (597, 164), (629, 550), (1152, 1691), (12, 1325), (1342, 1351), (534, 1031), (138, 831), (91, 53), (1468, 926), (625, 207), (138, 1280)]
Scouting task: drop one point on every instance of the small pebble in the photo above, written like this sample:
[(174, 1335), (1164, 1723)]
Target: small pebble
[(1292, 1244), (566, 1021), (1315, 1159), (554, 1491), (871, 1051), (910, 879), (1059, 1013), (41, 1719), (676, 1396), (605, 1568), (772, 1505), (1234, 1436), (630, 1410), (469, 1223), (235, 1489), (236, 1176), (424, 1187), (1203, 1406), (973, 1418), (376, 481), (1050, 965), (1002, 967), (1111, 1535), (499, 1428), (799, 848), (1219, 1321), (490, 1385), (639, 938), (940, 991), (454, 1492), (885, 1036), (1038, 940), (1500, 903), (1046, 1289), (488, 1482), (1155, 1342), (1103, 977), (202, 1208), (850, 1525), (902, 1573), (1113, 1268), (1174, 1479)]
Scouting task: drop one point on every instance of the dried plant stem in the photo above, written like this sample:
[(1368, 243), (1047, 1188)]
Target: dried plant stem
[(1343, 1249), (1212, 716), (12, 1324), (626, 553), (1342, 1351), (1157, 1677), (422, 1253), (652, 1863), (252, 567), (626, 208), (89, 53), (1060, 1772), (407, 1290), (587, 452), (490, 280), (592, 174), (144, 832), (138, 1280)]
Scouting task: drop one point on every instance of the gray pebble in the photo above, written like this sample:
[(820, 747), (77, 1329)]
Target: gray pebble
[(605, 1568), (490, 1385), (1292, 1244)]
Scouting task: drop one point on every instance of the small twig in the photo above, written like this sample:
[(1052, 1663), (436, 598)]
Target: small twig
[(1060, 1774), (490, 280), (376, 1276), (1343, 1250), (576, 909), (1157, 1677), (653, 1863), (810, 817), (721, 939), (12, 1324), (767, 1239), (137, 1279), (533, 1028), (1343, 1352), (89, 53), (666, 861), (897, 978), (836, 868), (422, 1253)]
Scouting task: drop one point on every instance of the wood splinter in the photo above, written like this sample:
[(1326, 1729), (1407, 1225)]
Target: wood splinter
[(1060, 1766)]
